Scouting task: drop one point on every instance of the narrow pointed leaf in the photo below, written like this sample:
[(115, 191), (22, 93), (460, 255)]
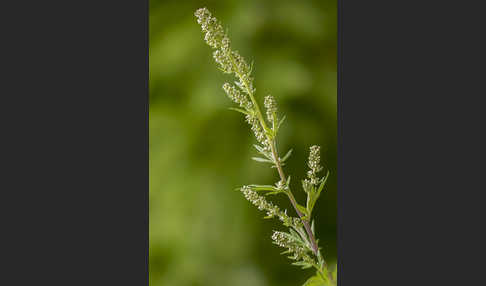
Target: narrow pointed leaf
[(272, 193), (258, 188), (286, 156), (280, 122), (239, 110), (260, 149), (281, 164), (302, 210), (258, 159), (315, 281), (321, 186), (295, 234), (263, 152)]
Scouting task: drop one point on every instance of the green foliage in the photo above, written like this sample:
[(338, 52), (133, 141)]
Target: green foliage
[(315, 281), (300, 242), (313, 194)]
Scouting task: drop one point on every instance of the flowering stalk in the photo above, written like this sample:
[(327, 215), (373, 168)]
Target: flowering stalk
[(300, 241)]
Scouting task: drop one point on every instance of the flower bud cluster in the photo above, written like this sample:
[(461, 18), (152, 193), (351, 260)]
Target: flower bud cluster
[(256, 128), (272, 210), (314, 161), (214, 32), (280, 185), (229, 61), (235, 95), (223, 61), (286, 241), (271, 106), (216, 38), (242, 66)]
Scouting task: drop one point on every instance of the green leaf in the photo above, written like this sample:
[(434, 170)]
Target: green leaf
[(262, 187), (260, 149), (263, 152), (304, 265), (302, 210), (315, 281), (262, 160), (268, 188), (281, 164), (321, 186), (268, 131), (286, 156), (312, 196), (300, 238), (222, 70), (284, 252), (239, 110), (280, 122), (295, 235), (272, 193), (311, 201)]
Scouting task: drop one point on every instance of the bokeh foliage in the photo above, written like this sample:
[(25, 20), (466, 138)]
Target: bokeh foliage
[(202, 231)]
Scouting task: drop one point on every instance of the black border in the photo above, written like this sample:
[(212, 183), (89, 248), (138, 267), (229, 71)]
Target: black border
[(411, 145), (75, 143), (340, 207)]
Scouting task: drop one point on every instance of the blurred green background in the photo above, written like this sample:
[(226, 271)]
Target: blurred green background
[(202, 231)]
